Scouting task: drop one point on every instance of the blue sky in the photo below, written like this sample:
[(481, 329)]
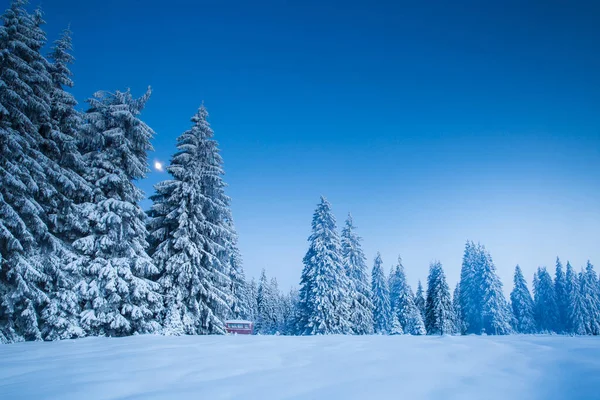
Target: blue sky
[(432, 124)]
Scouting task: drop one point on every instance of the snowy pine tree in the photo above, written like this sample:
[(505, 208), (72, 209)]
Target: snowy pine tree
[(590, 295), (560, 290), (396, 328), (268, 303), (196, 244), (420, 300), (546, 310), (522, 304), (482, 302), (459, 326), (37, 187), (251, 300), (324, 285), (381, 298), (120, 299), (575, 313), (354, 260), (439, 314), (402, 302)]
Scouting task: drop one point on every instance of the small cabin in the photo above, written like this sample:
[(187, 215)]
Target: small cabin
[(239, 327)]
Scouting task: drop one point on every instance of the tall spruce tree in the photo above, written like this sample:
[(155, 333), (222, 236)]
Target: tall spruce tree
[(546, 310), (61, 314), (482, 302), (402, 302), (560, 289), (120, 299), (196, 244), (420, 300), (459, 326), (354, 260), (381, 298), (324, 302), (439, 313), (522, 304), (37, 186), (590, 295), (575, 314)]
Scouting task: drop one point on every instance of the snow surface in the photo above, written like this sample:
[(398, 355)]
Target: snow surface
[(323, 367)]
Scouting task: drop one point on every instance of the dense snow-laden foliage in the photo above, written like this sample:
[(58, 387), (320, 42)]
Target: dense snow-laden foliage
[(546, 311), (195, 245), (38, 186), (439, 313), (355, 265), (590, 296), (382, 313), (560, 290), (482, 302), (268, 306), (575, 314), (119, 297), (522, 304), (324, 285), (420, 300), (402, 302), (459, 326)]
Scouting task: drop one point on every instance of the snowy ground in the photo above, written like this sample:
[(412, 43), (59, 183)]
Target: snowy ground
[(326, 367)]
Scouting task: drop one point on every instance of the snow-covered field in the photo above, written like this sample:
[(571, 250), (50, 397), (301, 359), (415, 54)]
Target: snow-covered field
[(325, 367)]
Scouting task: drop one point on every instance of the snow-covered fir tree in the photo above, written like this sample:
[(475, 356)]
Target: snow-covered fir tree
[(560, 290), (420, 299), (402, 302), (590, 295), (120, 299), (396, 327), (439, 314), (522, 304), (269, 306), (546, 310), (240, 305), (382, 314), (61, 314), (251, 300), (482, 302), (575, 314), (290, 313), (196, 245), (37, 187), (459, 326), (361, 307), (324, 285)]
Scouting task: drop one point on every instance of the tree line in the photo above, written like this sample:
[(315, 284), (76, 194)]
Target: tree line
[(80, 257)]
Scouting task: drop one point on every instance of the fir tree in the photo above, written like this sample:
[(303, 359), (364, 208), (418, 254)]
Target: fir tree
[(381, 298), (546, 311), (522, 304), (482, 302), (420, 299), (34, 187), (575, 314), (120, 299), (396, 328), (560, 289), (459, 326), (196, 244), (590, 300), (324, 284), (354, 260), (439, 315), (251, 300), (403, 304)]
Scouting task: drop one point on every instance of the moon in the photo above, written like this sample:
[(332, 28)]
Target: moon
[(158, 166)]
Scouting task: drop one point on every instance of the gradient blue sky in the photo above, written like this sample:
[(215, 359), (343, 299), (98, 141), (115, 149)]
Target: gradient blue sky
[(432, 124)]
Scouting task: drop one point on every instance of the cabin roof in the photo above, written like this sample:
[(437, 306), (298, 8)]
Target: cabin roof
[(237, 321)]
